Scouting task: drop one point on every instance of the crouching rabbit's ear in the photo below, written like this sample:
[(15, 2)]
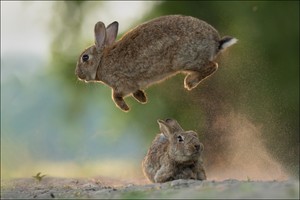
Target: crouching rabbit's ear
[(169, 126)]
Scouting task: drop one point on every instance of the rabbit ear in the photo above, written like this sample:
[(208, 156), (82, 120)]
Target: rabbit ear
[(100, 35), (174, 125), (164, 128), (169, 126), (201, 147), (111, 33)]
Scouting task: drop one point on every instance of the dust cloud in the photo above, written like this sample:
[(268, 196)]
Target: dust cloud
[(243, 155)]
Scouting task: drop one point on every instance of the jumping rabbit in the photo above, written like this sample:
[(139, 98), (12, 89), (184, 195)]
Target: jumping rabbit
[(149, 53), (174, 154)]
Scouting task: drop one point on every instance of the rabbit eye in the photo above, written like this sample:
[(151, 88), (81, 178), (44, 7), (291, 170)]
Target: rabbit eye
[(179, 138), (85, 57)]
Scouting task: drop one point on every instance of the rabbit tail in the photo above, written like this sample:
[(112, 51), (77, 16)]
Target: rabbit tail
[(226, 42)]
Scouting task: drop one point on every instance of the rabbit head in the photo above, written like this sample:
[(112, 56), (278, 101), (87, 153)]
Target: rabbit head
[(90, 58), (184, 146)]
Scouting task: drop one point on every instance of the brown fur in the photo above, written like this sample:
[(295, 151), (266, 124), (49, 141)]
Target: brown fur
[(149, 53), (170, 159)]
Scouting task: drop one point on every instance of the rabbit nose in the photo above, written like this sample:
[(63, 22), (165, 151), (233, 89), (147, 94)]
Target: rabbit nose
[(79, 73), (197, 147), (81, 76)]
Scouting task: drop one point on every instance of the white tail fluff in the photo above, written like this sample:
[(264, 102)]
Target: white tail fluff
[(227, 42)]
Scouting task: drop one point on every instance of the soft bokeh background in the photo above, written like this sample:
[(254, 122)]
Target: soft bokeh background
[(246, 114)]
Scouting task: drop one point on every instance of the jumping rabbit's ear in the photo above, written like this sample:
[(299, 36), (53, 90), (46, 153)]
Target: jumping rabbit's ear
[(169, 126), (100, 35), (111, 33)]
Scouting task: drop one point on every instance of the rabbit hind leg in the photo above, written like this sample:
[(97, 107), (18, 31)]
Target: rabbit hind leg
[(196, 76), (140, 96)]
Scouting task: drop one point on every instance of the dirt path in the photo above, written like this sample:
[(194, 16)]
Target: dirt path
[(99, 188)]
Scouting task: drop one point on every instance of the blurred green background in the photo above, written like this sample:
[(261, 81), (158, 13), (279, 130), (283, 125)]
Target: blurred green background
[(246, 114)]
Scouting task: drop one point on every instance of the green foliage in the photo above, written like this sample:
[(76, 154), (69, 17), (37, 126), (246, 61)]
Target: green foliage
[(39, 177), (134, 195)]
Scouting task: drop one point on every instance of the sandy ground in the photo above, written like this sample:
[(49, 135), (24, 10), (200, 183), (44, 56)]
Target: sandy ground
[(100, 188)]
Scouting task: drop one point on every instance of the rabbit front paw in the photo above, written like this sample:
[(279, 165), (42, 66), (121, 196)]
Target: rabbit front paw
[(119, 101), (164, 174)]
